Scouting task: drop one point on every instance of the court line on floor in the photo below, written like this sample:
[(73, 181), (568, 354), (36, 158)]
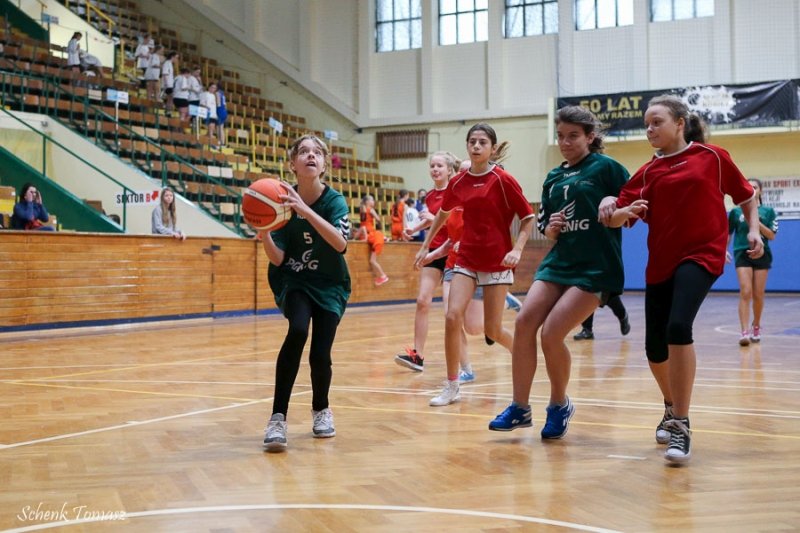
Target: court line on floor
[(321, 506), (595, 403), (133, 423), (270, 351)]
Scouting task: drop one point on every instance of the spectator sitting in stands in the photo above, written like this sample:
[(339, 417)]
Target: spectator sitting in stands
[(30, 213), (164, 219)]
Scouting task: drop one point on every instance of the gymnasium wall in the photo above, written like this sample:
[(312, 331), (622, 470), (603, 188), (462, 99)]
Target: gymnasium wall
[(782, 277), (83, 279), (332, 45), (319, 59)]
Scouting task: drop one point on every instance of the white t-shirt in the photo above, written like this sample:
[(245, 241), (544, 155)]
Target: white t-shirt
[(181, 87), (209, 101), (168, 74), (411, 219), (153, 71), (73, 52), (142, 55), (194, 89)]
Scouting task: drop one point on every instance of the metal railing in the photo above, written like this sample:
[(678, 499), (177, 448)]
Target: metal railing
[(82, 114), (46, 139)]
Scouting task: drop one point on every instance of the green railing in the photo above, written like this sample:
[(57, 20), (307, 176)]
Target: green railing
[(73, 213), (19, 19), (42, 95)]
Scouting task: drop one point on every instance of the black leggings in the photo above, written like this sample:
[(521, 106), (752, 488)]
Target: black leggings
[(615, 304), (301, 310), (670, 308)]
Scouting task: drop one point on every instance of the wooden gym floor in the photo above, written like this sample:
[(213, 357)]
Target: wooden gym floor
[(160, 427)]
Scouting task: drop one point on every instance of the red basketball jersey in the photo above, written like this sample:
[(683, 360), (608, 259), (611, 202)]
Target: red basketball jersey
[(490, 202), (433, 201), (686, 210)]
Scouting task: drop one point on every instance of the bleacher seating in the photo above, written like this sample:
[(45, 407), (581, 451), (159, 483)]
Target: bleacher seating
[(141, 133)]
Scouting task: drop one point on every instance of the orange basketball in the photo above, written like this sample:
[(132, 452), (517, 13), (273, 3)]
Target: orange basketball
[(262, 207)]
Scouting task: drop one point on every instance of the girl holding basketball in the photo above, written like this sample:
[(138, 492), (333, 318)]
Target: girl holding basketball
[(752, 273), (490, 197), (680, 195), (373, 236), (308, 275), (580, 272)]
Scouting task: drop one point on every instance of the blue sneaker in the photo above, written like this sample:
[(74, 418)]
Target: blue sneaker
[(512, 418), (466, 377), (557, 422), (512, 302)]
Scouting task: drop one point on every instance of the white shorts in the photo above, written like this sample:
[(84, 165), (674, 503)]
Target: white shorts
[(505, 277)]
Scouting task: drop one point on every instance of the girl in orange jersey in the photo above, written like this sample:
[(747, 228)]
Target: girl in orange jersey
[(374, 238), (398, 210)]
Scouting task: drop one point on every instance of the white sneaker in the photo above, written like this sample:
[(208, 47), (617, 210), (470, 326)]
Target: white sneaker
[(275, 435), (323, 424), (448, 395)]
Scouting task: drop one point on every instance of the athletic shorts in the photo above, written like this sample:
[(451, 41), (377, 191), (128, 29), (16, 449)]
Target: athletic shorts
[(180, 102), (375, 239), (762, 263), (602, 296), (168, 91), (505, 277), (448, 276), (438, 264)]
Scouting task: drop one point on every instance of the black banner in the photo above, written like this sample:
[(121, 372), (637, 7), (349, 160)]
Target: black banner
[(749, 105)]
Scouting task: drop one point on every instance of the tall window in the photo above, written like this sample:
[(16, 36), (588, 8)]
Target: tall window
[(680, 9), (530, 17), (592, 14), (463, 21), (398, 25)]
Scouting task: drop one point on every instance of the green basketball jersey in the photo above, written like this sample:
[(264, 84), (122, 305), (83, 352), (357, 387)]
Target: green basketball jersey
[(737, 224), (310, 264), (586, 253)]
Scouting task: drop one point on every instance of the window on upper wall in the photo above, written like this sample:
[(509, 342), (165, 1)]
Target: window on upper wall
[(661, 10), (398, 25), (530, 17), (593, 14), (463, 21)]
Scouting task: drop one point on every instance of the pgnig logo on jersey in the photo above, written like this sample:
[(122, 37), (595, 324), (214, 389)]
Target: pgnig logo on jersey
[(305, 263), (575, 225)]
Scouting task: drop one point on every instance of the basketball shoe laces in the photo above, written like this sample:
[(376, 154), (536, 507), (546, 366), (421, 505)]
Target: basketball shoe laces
[(678, 434)]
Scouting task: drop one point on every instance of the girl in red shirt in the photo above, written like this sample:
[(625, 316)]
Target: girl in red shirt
[(680, 195), (491, 198), (443, 166)]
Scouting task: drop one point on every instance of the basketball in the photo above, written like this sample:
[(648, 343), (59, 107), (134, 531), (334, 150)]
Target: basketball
[(262, 207)]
